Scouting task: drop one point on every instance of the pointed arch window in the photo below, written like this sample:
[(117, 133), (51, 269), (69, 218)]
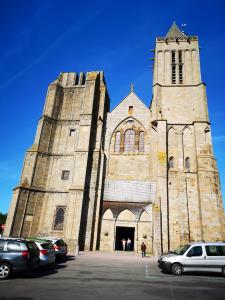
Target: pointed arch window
[(129, 140), (171, 162), (141, 141), (187, 163), (117, 142), (59, 217)]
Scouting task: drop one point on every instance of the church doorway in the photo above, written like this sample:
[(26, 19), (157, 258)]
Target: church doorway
[(124, 233)]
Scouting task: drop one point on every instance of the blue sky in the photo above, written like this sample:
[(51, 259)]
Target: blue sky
[(39, 39)]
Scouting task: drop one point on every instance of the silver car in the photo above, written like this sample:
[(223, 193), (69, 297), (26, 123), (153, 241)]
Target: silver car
[(46, 252), (200, 256), (59, 246)]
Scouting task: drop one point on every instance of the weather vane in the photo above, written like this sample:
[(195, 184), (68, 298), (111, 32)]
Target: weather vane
[(183, 25)]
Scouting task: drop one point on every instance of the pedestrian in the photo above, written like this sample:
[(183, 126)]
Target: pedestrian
[(124, 244), (128, 244), (143, 249)]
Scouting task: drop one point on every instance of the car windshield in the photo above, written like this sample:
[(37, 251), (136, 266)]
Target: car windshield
[(181, 249), (60, 243), (46, 246), (31, 246)]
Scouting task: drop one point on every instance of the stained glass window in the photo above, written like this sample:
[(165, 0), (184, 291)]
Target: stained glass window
[(141, 141), (117, 142), (59, 217), (129, 141)]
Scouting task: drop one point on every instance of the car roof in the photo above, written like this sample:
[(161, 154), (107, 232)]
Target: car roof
[(41, 240), (15, 240), (50, 238), (219, 243)]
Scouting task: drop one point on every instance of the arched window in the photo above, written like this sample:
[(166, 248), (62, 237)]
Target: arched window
[(59, 217), (129, 141), (117, 142), (187, 163), (141, 141), (171, 162)]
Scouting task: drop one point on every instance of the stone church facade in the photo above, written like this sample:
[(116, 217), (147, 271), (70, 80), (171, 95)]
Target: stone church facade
[(95, 177)]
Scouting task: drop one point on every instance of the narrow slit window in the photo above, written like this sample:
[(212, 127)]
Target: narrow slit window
[(171, 162), (187, 163), (117, 142)]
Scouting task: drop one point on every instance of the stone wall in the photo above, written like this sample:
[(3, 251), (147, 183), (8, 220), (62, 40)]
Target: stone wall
[(69, 139)]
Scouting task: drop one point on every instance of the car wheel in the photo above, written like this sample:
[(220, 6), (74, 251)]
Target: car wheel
[(5, 270), (176, 269), (223, 271)]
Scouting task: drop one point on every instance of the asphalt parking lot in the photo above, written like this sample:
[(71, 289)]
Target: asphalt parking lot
[(94, 275)]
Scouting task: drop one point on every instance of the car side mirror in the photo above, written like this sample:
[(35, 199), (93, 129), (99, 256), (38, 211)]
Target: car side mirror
[(189, 254)]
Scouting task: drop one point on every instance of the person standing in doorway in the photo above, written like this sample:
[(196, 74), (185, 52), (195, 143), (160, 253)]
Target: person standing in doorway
[(128, 244), (124, 244), (143, 249)]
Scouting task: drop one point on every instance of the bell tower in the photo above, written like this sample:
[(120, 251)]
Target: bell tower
[(177, 86), (188, 184), (177, 59)]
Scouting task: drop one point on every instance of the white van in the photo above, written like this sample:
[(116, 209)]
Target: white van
[(200, 256)]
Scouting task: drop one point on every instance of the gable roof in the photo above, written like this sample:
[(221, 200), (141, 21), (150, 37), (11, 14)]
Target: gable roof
[(131, 93)]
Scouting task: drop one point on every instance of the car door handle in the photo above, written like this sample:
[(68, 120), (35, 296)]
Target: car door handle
[(204, 257)]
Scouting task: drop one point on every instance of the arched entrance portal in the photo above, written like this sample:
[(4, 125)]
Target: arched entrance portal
[(123, 225), (125, 228)]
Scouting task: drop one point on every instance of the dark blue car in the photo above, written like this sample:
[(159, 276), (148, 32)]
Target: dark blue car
[(17, 255)]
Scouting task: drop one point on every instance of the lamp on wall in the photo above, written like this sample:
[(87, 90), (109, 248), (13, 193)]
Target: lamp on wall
[(106, 233), (144, 235)]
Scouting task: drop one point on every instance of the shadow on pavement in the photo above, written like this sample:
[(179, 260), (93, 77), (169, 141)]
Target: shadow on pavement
[(63, 259), (195, 274), (47, 270), (16, 298), (205, 274)]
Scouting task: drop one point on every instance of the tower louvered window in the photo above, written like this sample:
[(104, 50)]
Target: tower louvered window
[(129, 140), (59, 218), (173, 66), (180, 67)]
